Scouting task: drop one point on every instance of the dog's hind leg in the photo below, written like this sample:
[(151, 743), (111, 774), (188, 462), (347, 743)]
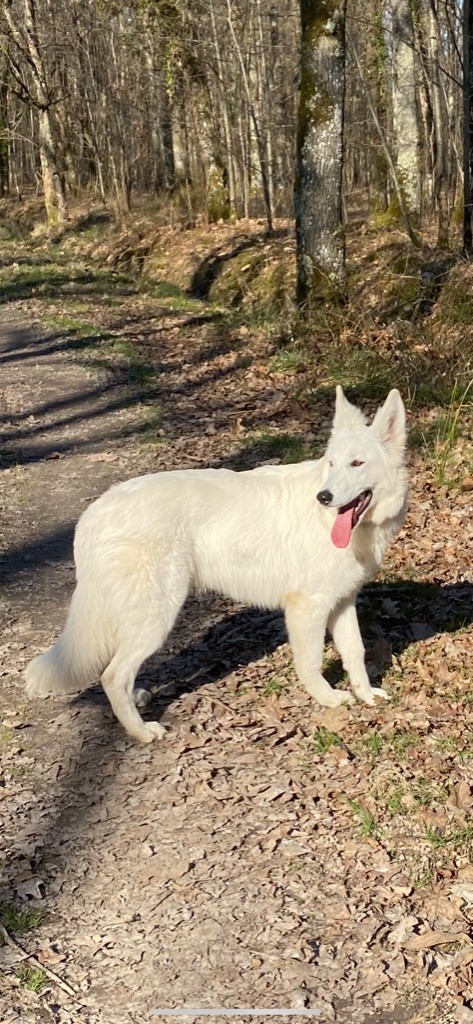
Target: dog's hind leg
[(148, 615), (343, 625), (305, 620), (118, 681)]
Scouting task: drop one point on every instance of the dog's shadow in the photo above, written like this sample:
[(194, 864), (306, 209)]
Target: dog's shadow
[(400, 613)]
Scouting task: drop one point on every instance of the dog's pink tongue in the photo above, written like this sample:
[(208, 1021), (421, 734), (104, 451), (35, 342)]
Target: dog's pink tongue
[(341, 529)]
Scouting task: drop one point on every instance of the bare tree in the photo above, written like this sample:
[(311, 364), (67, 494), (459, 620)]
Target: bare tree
[(318, 186), (197, 106), (467, 126), (405, 121), (21, 26)]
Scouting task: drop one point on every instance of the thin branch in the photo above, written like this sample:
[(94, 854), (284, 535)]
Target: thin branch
[(64, 985)]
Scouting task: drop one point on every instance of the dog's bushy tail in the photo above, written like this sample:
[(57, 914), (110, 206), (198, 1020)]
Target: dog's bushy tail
[(80, 654)]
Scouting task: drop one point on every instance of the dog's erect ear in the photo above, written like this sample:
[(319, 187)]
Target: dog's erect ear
[(389, 424), (347, 416)]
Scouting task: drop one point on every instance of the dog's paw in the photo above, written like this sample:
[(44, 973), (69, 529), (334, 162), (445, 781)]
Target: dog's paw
[(151, 731), (141, 697), (37, 688), (376, 691), (379, 692), (339, 697)]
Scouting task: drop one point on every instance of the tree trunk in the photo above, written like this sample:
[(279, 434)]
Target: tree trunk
[(404, 103), (467, 126), (440, 125), (260, 142), (54, 200), (27, 40), (4, 142), (318, 186), (426, 118), (389, 159)]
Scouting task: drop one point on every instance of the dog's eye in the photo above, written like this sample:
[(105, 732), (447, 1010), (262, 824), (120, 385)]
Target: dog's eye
[(357, 462)]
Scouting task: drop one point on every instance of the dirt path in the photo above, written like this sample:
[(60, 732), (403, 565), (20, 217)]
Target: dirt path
[(225, 866)]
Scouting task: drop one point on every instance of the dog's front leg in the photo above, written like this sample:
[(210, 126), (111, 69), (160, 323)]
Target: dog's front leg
[(306, 619), (343, 625)]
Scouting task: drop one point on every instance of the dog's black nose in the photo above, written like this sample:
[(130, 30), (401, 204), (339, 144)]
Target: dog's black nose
[(325, 497)]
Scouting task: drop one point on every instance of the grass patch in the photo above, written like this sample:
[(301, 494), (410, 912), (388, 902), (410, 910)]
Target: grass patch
[(274, 686), (324, 740), (449, 430), (368, 825), (19, 920), (138, 370), (280, 445), (174, 297), (5, 736), (424, 881), (462, 841), (373, 743), (401, 742), (457, 307), (426, 795), (289, 360), (394, 801), (151, 422), (32, 978), (65, 323), (435, 837)]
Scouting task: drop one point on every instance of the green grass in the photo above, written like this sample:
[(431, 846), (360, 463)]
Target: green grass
[(426, 794), (66, 323), (373, 742), (32, 978), (462, 841), (280, 445), (19, 920), (401, 742), (424, 881), (435, 837), (274, 686), (449, 430), (324, 740), (448, 744), (366, 374), (174, 297), (138, 370), (368, 825), (457, 307), (394, 801), (150, 422), (5, 736), (288, 360)]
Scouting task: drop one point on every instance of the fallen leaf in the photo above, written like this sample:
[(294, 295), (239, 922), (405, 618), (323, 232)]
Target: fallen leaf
[(430, 939)]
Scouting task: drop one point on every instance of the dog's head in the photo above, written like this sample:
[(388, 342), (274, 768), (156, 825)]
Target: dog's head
[(364, 466)]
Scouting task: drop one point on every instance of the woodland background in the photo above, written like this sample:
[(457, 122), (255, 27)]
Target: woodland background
[(196, 104)]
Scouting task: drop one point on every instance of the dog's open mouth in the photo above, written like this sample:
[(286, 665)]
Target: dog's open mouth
[(347, 518)]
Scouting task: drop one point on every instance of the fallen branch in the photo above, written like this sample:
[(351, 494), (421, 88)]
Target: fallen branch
[(37, 963)]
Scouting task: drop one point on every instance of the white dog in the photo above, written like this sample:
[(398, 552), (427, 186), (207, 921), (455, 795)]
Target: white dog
[(304, 538)]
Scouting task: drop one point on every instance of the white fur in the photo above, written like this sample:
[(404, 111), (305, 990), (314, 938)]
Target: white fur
[(259, 537)]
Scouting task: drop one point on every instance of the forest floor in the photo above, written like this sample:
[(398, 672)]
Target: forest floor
[(267, 853)]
